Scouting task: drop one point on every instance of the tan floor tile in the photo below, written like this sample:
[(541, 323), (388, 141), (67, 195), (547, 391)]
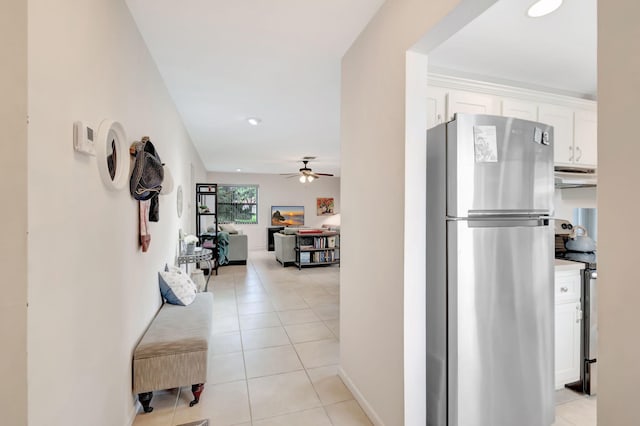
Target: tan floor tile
[(252, 296), (326, 299), (226, 368), (582, 412), (281, 394), (327, 312), (347, 413), (308, 332), (226, 309), (288, 302), (319, 354), (264, 362), (253, 321), (298, 316), (223, 325), (223, 404), (255, 307), (313, 417), (225, 343), (264, 338), (329, 386), (334, 326)]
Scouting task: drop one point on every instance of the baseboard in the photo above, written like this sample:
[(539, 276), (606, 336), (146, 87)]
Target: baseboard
[(369, 411), (134, 411)]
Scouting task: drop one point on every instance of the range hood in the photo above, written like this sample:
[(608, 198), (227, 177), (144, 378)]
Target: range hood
[(575, 177)]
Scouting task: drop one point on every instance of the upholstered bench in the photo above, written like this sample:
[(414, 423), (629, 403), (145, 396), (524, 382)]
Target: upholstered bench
[(174, 350)]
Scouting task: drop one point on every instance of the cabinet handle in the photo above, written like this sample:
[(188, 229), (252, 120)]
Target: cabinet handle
[(579, 153), (571, 151), (564, 289)]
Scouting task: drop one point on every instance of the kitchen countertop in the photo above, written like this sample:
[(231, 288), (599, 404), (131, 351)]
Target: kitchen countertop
[(567, 265)]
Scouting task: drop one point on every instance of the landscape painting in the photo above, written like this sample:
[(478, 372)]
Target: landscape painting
[(287, 215)]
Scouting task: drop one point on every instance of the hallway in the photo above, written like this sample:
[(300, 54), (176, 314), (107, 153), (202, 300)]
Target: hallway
[(274, 352)]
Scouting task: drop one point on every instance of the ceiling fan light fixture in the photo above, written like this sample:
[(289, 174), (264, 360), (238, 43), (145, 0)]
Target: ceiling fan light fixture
[(302, 179), (309, 178), (254, 121), (543, 7)]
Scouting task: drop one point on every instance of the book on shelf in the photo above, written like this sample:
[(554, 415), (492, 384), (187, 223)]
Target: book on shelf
[(310, 231), (331, 242), (305, 257)]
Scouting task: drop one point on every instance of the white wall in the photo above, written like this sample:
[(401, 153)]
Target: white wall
[(13, 215), (566, 200), (277, 190), (618, 207), (373, 138), (92, 292), (377, 133)]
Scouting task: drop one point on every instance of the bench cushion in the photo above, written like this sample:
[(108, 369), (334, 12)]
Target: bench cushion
[(174, 350)]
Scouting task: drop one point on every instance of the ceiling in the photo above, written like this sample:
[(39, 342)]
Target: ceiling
[(279, 60), (503, 45)]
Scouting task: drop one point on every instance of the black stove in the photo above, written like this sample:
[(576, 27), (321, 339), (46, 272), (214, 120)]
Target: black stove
[(589, 259)]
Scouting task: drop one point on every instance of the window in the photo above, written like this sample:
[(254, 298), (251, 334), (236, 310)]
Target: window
[(237, 203)]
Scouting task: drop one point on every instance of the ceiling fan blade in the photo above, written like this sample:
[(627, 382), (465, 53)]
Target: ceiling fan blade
[(289, 174), (324, 174)]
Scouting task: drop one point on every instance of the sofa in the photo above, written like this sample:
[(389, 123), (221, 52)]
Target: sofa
[(238, 244), (284, 246), (238, 249)]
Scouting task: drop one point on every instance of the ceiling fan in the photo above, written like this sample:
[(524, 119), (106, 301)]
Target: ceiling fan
[(306, 174)]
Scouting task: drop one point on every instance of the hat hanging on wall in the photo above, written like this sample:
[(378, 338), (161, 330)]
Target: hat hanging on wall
[(167, 182), (148, 173)]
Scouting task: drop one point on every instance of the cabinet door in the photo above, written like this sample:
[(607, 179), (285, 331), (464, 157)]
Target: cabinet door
[(586, 138), (471, 103), (520, 109), (561, 119), (436, 97), (568, 317)]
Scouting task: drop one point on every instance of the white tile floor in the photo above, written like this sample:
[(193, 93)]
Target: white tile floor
[(274, 355), (274, 352), (575, 409)]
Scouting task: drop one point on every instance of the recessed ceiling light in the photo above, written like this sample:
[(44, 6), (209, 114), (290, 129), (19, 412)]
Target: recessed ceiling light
[(254, 121), (238, 170), (543, 7)]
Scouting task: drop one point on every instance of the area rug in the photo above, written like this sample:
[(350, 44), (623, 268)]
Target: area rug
[(204, 422)]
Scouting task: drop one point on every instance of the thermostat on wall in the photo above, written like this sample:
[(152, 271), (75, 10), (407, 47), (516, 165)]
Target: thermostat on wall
[(83, 138)]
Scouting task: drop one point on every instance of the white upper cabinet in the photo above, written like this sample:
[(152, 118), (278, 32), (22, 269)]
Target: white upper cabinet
[(436, 109), (574, 120), (585, 138), (561, 118), (471, 103), (520, 109)]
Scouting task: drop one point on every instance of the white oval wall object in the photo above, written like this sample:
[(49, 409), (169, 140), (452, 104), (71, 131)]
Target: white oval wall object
[(112, 153)]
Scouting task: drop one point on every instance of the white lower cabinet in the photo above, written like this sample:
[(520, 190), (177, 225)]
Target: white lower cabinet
[(568, 326)]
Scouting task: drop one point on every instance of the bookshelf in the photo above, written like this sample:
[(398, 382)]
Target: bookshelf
[(316, 248)]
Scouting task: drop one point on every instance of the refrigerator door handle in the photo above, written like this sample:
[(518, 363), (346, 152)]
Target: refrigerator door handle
[(508, 222)]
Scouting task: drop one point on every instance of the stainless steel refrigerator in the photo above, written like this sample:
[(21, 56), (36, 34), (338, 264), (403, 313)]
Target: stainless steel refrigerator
[(489, 289)]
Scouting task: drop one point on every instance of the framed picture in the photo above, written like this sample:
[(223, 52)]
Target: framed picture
[(287, 215), (325, 206)]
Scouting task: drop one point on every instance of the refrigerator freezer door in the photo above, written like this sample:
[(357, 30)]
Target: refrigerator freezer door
[(498, 165), (500, 323)]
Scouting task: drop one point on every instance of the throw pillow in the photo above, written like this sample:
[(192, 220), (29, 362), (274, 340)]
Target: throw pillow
[(227, 227), (176, 287)]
